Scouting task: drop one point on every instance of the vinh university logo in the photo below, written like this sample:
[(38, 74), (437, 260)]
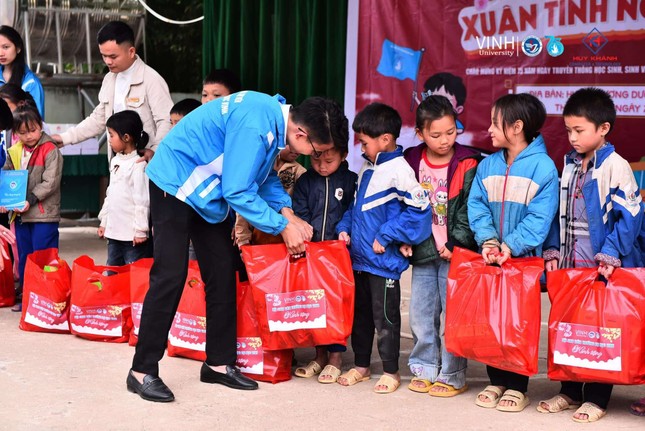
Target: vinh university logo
[(532, 46)]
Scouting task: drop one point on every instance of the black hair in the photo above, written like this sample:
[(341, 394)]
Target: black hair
[(593, 104), (16, 95), (6, 117), (25, 115), (117, 31), (377, 119), (324, 121), (524, 107), (452, 83), (129, 123), (184, 106), (225, 77), (434, 108), (18, 67)]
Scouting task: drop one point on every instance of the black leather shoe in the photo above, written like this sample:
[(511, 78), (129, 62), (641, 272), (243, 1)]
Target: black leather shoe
[(152, 388), (233, 378)]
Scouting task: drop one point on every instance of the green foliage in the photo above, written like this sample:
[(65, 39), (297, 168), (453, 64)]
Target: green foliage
[(175, 51)]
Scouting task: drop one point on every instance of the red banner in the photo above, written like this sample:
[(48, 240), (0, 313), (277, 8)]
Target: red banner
[(474, 51)]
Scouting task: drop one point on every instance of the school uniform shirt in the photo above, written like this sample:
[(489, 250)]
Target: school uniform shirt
[(221, 156), (124, 214), (391, 207), (121, 87)]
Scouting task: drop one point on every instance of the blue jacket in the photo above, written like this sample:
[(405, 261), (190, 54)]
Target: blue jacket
[(614, 210), (222, 154), (515, 204), (322, 201), (31, 84), (390, 206)]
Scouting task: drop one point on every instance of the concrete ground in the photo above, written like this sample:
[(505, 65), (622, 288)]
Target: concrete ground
[(62, 382)]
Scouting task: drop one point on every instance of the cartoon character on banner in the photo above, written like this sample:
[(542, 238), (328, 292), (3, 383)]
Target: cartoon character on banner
[(448, 85)]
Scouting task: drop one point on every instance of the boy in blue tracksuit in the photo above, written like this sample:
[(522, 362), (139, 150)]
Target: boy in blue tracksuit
[(601, 217), (220, 158), (390, 208)]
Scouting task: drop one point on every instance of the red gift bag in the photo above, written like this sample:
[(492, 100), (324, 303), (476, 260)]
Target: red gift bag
[(7, 290), (46, 293), (301, 302), (187, 336), (493, 313), (100, 301), (596, 331), (139, 284), (271, 366)]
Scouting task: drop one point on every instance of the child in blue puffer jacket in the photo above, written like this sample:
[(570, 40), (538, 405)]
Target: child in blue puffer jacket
[(512, 202), (390, 209)]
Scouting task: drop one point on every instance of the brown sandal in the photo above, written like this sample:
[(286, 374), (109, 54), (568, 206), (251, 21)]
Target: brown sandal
[(556, 404), (352, 377), (329, 374), (310, 370), (389, 383), (593, 412)]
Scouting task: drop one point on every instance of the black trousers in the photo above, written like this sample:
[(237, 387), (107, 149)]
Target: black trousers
[(175, 223), (508, 379), (377, 306), (597, 393)]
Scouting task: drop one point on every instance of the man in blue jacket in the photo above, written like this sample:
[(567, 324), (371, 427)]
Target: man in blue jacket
[(220, 158)]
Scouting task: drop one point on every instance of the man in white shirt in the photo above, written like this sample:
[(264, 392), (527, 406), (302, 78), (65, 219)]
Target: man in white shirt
[(130, 84)]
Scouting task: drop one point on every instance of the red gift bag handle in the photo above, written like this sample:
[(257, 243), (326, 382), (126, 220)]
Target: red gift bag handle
[(301, 258)]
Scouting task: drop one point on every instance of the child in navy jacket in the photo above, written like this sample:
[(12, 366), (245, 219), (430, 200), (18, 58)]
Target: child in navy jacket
[(321, 197)]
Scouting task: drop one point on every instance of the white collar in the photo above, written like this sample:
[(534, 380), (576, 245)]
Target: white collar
[(285, 113)]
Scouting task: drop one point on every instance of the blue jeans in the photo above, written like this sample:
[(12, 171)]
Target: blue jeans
[(123, 252), (429, 358)]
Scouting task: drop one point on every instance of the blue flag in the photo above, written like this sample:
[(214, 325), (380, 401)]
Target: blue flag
[(398, 61)]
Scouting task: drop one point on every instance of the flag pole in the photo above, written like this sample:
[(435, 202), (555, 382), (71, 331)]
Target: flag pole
[(416, 78)]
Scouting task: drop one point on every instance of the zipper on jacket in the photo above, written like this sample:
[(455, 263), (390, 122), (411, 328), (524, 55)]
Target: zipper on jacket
[(501, 217), (322, 237)]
